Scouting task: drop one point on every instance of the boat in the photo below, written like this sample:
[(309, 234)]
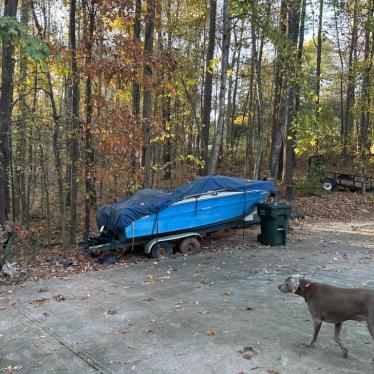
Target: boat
[(154, 216)]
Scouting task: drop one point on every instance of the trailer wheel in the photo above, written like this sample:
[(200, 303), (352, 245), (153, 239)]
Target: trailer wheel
[(190, 246), (162, 249), (328, 184)]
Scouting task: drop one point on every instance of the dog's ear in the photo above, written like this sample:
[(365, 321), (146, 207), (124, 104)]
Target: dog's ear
[(295, 283)]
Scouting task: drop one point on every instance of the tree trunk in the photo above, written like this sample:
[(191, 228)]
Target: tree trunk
[(259, 90), (56, 147), (166, 117), (351, 86), (68, 143), (207, 108), (30, 159), (74, 123), (367, 78), (318, 66), (278, 120), (166, 105), (90, 175), (227, 126), (294, 28), (250, 121), (341, 78), (135, 84), (231, 128), (222, 91), (45, 185), (23, 124), (232, 86), (6, 100), (58, 162), (147, 96)]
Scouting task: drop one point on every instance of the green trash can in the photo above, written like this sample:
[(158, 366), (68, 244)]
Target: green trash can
[(274, 223)]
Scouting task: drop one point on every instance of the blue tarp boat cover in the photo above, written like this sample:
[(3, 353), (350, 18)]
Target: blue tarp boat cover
[(119, 215)]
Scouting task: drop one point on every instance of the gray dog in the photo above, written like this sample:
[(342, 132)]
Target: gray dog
[(333, 304)]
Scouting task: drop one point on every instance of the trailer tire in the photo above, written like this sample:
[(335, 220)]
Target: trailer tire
[(190, 246), (328, 184), (162, 249)]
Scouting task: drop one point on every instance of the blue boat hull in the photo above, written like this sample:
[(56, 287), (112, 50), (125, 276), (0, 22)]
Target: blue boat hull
[(203, 213)]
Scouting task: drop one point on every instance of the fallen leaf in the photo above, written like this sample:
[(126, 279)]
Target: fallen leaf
[(59, 297), (10, 368), (167, 274), (38, 302), (148, 299), (151, 278), (246, 349), (248, 355), (209, 333)]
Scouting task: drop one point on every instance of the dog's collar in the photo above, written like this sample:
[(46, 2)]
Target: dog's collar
[(306, 290)]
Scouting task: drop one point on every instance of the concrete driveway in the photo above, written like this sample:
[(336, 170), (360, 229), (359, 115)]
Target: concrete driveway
[(195, 314)]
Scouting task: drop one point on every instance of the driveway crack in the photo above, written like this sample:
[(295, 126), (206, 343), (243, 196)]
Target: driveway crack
[(97, 366)]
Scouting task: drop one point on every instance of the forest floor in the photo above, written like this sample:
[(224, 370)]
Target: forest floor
[(215, 312)]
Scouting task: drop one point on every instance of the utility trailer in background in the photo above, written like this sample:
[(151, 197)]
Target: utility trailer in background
[(332, 180)]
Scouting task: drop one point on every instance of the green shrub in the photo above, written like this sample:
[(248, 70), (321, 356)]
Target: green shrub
[(309, 185)]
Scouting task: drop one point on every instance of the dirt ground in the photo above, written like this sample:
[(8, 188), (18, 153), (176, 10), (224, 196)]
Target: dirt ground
[(216, 312)]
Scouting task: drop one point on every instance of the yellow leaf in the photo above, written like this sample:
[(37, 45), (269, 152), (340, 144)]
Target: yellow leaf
[(117, 23), (212, 64), (297, 151), (239, 120), (372, 149), (289, 137), (313, 142), (229, 72)]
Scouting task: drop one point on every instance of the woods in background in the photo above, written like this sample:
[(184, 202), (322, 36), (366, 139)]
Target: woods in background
[(100, 98)]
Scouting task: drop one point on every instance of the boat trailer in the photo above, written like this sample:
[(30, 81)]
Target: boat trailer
[(188, 243)]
